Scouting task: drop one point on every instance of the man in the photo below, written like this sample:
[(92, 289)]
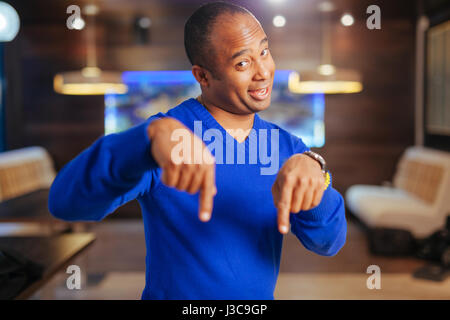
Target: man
[(214, 230)]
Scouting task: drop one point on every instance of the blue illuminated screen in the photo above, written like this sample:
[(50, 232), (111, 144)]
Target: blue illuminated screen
[(150, 92)]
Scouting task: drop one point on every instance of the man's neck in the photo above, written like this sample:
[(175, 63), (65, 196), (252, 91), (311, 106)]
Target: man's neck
[(237, 125)]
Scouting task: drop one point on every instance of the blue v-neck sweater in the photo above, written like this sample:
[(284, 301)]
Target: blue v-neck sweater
[(236, 255)]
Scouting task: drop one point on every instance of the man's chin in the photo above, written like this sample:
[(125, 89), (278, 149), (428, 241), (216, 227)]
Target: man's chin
[(257, 106)]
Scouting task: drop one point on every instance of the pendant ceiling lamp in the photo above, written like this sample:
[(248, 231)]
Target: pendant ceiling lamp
[(326, 78), (90, 80)]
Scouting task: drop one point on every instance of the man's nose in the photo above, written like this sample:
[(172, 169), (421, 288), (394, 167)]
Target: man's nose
[(262, 71)]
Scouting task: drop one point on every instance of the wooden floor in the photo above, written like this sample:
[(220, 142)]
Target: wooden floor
[(115, 267)]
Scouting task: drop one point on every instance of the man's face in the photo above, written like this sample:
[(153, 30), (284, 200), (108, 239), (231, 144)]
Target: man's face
[(243, 65)]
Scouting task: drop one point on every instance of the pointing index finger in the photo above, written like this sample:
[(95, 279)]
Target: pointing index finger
[(207, 193), (284, 206)]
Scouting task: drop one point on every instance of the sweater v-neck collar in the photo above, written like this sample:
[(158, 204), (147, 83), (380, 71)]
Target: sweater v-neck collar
[(211, 123)]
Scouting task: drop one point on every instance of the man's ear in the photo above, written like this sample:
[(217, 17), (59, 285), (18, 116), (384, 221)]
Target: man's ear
[(201, 75)]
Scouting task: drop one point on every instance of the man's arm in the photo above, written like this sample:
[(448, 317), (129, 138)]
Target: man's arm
[(114, 170), (120, 167), (322, 229), (316, 214)]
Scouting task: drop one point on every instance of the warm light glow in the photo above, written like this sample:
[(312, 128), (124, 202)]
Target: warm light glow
[(74, 83), (347, 20), (91, 72), (322, 86), (279, 21), (327, 87), (326, 69), (92, 89)]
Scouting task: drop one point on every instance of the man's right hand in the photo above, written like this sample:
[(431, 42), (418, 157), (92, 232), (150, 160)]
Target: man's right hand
[(194, 171)]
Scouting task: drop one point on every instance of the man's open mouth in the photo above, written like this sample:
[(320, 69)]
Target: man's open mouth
[(259, 94)]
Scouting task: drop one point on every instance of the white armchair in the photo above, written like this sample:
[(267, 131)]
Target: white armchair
[(418, 201)]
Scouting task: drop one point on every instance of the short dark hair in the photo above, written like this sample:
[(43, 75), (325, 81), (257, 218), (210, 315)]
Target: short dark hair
[(197, 32)]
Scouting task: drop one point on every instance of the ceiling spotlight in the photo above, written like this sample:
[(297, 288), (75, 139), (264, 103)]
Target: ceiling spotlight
[(78, 23), (144, 22), (279, 21), (276, 1), (91, 9), (347, 19), (326, 6), (142, 29)]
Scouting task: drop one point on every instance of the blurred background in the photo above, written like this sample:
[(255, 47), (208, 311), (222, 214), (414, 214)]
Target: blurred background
[(364, 83)]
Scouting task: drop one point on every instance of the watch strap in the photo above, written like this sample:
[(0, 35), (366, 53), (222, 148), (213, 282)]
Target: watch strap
[(318, 158)]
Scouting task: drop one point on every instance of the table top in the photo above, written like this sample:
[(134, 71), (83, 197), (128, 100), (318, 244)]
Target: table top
[(30, 207), (54, 253)]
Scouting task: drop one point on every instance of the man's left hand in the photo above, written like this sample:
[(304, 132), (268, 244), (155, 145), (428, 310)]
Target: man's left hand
[(299, 186)]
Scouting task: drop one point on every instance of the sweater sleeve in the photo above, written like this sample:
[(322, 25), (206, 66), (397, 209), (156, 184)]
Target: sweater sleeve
[(323, 229), (114, 170)]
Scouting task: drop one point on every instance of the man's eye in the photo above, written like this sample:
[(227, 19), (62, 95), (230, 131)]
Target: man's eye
[(242, 64), (265, 52)]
